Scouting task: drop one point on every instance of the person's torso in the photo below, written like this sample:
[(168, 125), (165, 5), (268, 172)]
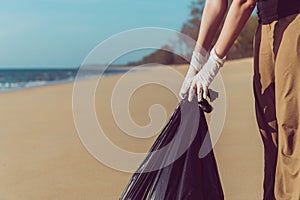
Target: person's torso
[(271, 10)]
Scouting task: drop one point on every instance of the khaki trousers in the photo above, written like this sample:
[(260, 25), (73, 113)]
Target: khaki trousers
[(277, 102)]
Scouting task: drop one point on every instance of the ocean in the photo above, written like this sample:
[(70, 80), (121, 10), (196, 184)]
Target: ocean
[(14, 79)]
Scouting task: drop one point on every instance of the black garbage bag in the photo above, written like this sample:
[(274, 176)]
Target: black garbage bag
[(172, 169)]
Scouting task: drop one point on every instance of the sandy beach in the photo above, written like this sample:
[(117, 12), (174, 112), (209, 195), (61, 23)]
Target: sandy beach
[(43, 158)]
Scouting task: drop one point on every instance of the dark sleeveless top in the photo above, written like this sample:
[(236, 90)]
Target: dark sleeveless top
[(271, 10)]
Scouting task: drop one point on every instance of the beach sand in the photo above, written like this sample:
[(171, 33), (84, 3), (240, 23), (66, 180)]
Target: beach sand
[(42, 156)]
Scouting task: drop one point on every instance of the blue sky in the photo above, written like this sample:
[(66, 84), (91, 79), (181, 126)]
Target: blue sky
[(60, 33)]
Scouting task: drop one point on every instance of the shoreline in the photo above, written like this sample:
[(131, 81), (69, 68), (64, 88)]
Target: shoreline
[(37, 84)]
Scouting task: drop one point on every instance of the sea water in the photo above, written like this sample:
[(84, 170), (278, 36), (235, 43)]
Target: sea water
[(13, 79)]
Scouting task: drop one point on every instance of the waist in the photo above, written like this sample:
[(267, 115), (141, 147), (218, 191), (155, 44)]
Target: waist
[(271, 10)]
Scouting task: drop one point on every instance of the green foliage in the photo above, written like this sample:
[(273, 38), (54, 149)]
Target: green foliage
[(162, 56)]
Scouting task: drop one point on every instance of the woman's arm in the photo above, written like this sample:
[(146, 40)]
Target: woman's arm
[(213, 14), (238, 15)]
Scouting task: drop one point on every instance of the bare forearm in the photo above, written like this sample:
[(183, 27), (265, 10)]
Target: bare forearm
[(239, 13), (212, 17)]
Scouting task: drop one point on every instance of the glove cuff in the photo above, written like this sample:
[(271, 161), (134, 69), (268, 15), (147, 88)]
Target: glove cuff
[(219, 61)]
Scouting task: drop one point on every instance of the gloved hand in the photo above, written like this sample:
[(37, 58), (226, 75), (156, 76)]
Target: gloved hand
[(197, 62), (205, 76)]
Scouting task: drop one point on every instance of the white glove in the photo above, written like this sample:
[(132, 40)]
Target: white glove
[(197, 62), (205, 76)]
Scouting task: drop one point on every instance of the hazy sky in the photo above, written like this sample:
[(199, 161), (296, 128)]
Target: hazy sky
[(53, 33)]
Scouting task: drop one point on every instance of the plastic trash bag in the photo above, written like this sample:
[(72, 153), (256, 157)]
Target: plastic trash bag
[(172, 169)]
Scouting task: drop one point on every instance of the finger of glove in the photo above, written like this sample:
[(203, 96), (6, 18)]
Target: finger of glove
[(205, 92), (192, 90), (184, 89), (199, 91), (182, 92)]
